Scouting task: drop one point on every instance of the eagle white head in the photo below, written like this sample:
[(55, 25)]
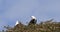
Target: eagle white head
[(33, 17), (17, 22)]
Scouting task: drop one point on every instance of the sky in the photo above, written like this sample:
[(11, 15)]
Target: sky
[(22, 10)]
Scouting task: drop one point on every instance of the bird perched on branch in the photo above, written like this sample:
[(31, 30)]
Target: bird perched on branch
[(33, 20), (17, 22)]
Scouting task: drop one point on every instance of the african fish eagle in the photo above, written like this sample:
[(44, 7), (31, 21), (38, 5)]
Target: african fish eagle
[(33, 20), (17, 22)]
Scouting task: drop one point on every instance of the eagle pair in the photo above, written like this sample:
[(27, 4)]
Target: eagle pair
[(32, 21)]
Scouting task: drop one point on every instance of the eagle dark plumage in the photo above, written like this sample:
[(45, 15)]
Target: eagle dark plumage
[(33, 20)]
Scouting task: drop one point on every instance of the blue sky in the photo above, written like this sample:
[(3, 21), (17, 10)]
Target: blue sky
[(13, 10)]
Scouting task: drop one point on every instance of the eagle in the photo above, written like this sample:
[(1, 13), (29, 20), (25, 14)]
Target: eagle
[(17, 22), (33, 20)]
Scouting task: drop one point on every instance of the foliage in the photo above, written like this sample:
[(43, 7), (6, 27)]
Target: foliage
[(46, 26)]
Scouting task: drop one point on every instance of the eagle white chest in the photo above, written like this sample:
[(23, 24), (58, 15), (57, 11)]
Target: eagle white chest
[(17, 22)]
